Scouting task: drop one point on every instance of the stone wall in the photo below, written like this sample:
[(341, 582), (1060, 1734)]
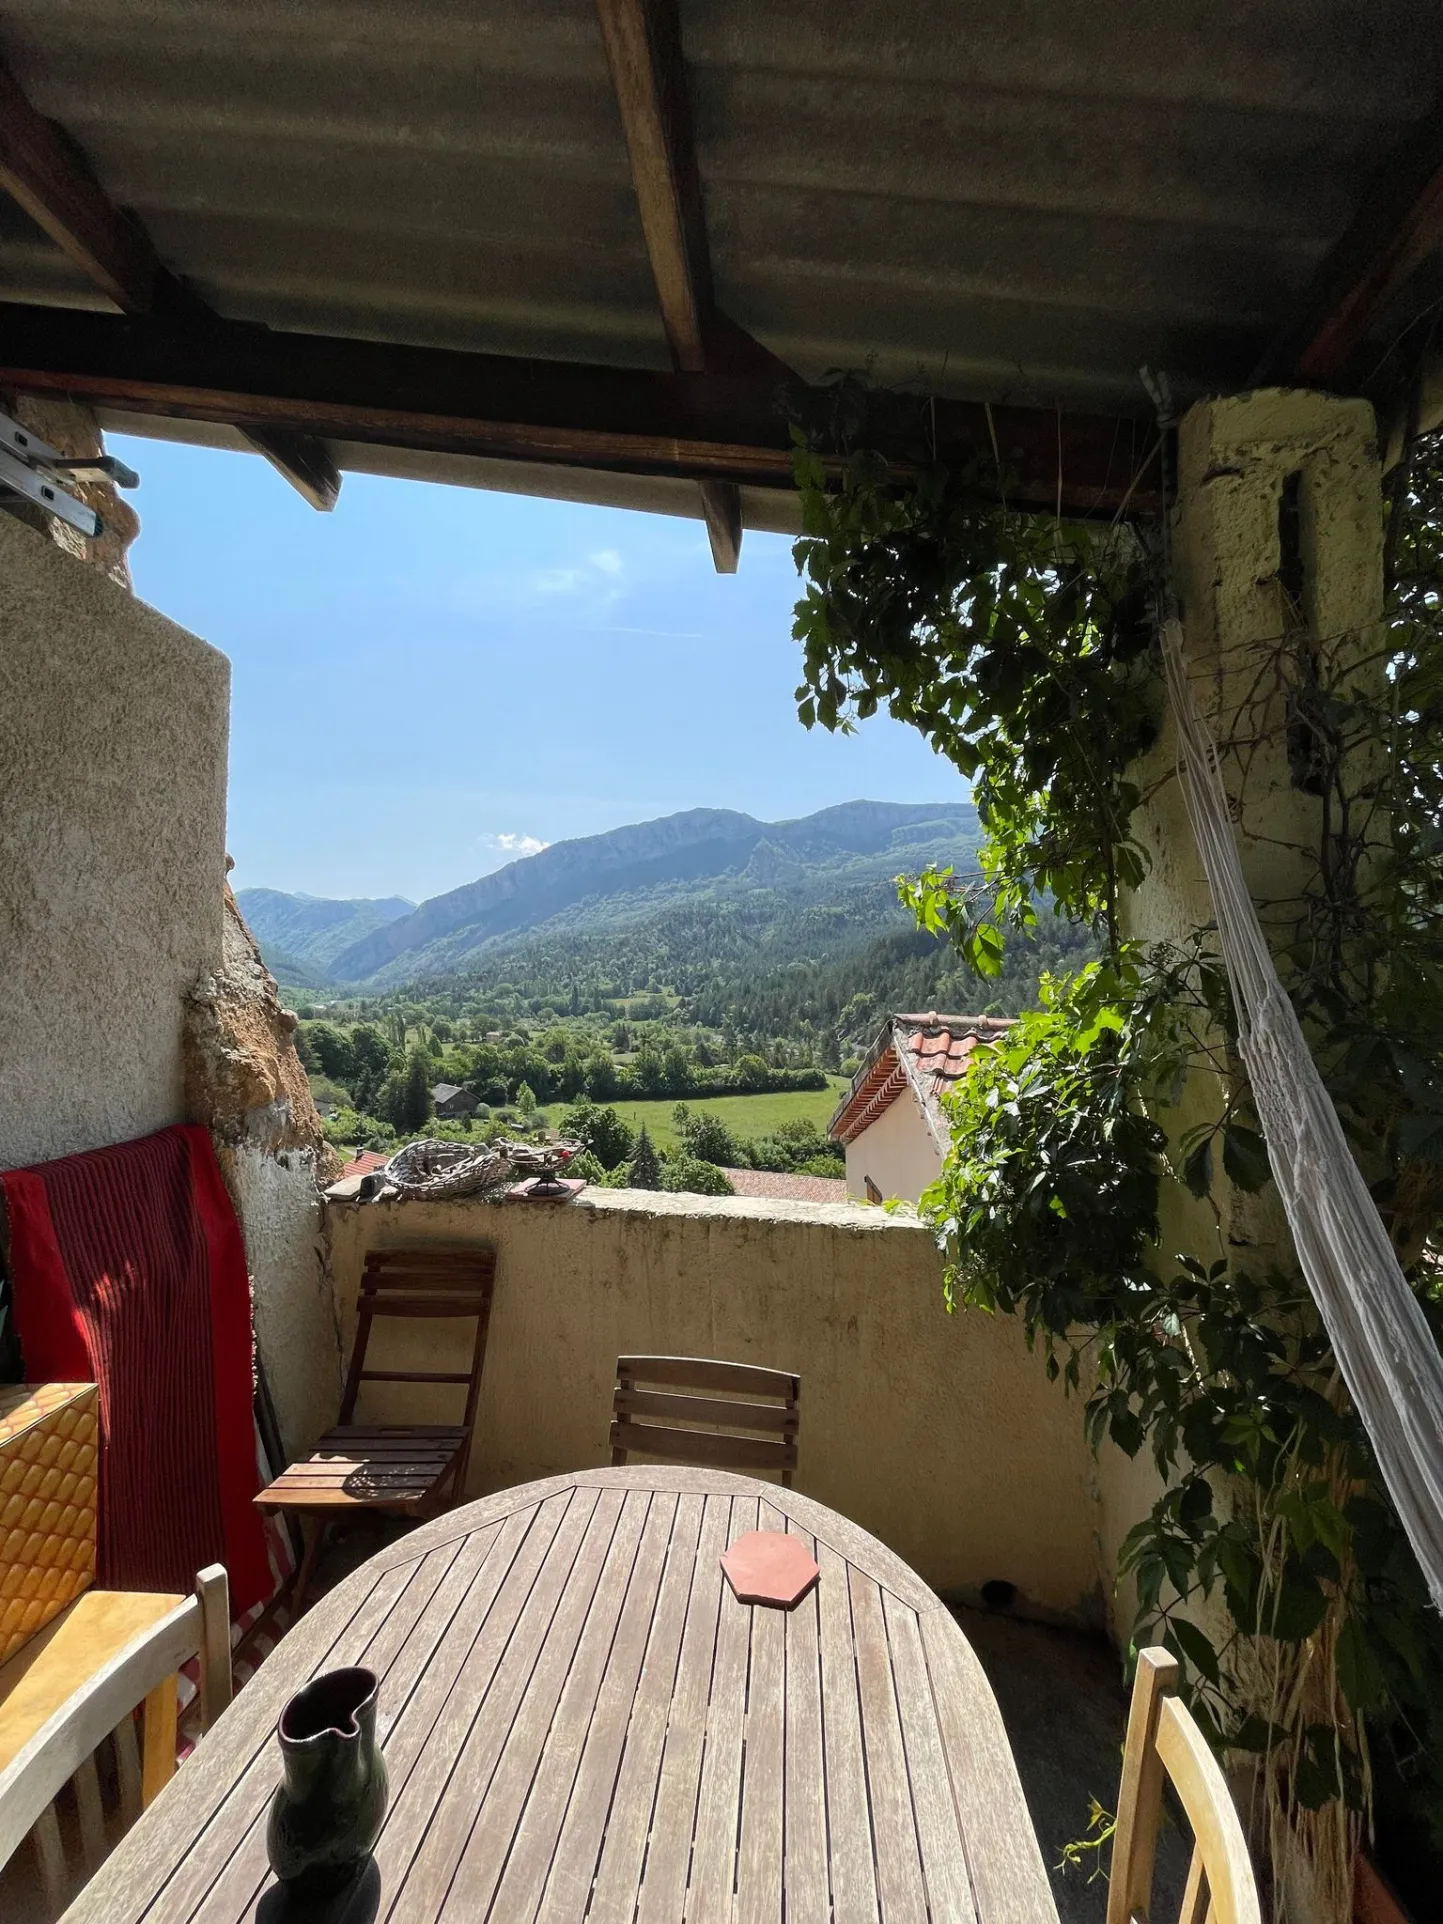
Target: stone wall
[(941, 1434), (244, 1079)]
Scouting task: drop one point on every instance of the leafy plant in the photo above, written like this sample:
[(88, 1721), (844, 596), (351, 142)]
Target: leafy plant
[(1019, 647)]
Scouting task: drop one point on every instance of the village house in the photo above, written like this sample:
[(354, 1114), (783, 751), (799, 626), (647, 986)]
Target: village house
[(891, 1119), (453, 1103)]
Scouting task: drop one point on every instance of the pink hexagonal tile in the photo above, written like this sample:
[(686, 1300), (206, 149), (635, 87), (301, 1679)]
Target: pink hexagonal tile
[(767, 1566)]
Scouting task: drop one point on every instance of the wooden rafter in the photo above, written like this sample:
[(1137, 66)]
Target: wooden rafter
[(643, 50), (42, 169), (700, 427), (1397, 224)]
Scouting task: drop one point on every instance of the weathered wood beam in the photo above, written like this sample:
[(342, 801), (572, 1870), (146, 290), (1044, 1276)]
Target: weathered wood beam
[(1397, 224), (42, 169), (700, 427), (643, 50), (721, 507), (304, 460)]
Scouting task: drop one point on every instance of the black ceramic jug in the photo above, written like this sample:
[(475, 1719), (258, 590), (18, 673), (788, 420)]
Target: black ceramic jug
[(327, 1811)]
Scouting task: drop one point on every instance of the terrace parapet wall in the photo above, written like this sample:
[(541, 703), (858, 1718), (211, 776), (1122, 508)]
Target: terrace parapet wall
[(940, 1434)]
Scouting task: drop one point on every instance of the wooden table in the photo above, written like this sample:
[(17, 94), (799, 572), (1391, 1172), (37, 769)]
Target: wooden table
[(581, 1721)]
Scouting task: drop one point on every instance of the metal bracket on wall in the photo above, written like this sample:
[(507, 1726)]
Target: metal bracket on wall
[(31, 468)]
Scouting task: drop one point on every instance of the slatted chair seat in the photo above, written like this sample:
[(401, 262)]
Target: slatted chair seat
[(694, 1409), (360, 1466), (398, 1469)]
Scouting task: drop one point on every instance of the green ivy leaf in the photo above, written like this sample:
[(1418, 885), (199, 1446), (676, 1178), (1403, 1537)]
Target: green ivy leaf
[(1245, 1157), (1359, 1677), (1197, 1168), (1298, 1608), (1186, 1640)]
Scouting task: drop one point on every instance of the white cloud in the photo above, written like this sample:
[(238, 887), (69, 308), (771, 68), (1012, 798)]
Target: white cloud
[(557, 581), (514, 846), (608, 561)]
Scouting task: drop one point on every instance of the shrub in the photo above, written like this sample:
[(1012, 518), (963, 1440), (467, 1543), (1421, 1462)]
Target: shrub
[(692, 1175)]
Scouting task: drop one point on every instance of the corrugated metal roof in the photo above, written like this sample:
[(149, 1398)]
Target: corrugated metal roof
[(994, 199)]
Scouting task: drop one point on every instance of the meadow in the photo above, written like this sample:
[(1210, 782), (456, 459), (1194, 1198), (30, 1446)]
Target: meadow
[(743, 1115)]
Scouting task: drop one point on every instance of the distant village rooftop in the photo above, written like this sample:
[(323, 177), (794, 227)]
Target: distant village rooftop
[(895, 1148), (926, 1053)]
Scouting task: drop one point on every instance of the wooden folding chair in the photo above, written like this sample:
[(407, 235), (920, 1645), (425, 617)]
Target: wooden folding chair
[(1163, 1741), (687, 1409), (397, 1469), (77, 1683)]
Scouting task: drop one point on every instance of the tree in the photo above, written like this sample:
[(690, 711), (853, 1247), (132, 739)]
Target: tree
[(601, 1131), (645, 1164), (600, 1079), (417, 1108), (708, 1139), (526, 1101), (334, 1051), (753, 1073), (695, 1177)]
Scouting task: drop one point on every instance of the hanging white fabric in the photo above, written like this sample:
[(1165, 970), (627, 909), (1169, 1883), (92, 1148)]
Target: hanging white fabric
[(1382, 1341)]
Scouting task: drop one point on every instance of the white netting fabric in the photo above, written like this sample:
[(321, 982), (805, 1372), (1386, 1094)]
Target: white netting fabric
[(1379, 1334)]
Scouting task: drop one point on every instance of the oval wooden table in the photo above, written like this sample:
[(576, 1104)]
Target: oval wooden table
[(581, 1721)]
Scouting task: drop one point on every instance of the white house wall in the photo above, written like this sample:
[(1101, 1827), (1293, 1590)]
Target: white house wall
[(898, 1153)]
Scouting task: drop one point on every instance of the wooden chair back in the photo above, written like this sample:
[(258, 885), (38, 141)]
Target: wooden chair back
[(1164, 1743), (144, 1673), (689, 1409), (424, 1282)]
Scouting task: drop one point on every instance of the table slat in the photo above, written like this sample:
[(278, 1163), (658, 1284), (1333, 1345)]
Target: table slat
[(432, 1868), (899, 1867), (713, 1863), (623, 1832), (663, 1889), (807, 1885), (849, 1814)]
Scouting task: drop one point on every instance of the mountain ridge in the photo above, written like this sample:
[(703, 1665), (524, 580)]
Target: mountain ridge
[(599, 882)]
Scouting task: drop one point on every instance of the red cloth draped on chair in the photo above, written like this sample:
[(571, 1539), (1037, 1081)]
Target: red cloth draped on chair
[(128, 1270)]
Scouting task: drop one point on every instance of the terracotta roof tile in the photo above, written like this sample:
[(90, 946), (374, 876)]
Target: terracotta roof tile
[(363, 1164), (937, 1050), (775, 1187)]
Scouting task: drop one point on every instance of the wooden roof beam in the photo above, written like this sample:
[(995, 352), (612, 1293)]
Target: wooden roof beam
[(700, 427), (42, 169), (643, 50), (1397, 224)]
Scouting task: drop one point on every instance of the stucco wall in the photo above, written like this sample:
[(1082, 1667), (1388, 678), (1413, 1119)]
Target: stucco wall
[(898, 1152), (113, 727), (938, 1433)]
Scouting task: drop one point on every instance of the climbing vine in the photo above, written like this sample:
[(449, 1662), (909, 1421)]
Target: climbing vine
[(1273, 1565)]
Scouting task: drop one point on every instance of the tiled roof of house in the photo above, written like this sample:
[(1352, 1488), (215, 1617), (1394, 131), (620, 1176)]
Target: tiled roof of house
[(774, 1187), (444, 1091), (926, 1052), (363, 1164)]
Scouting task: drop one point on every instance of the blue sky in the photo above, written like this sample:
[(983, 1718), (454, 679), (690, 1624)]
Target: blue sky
[(430, 680)]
